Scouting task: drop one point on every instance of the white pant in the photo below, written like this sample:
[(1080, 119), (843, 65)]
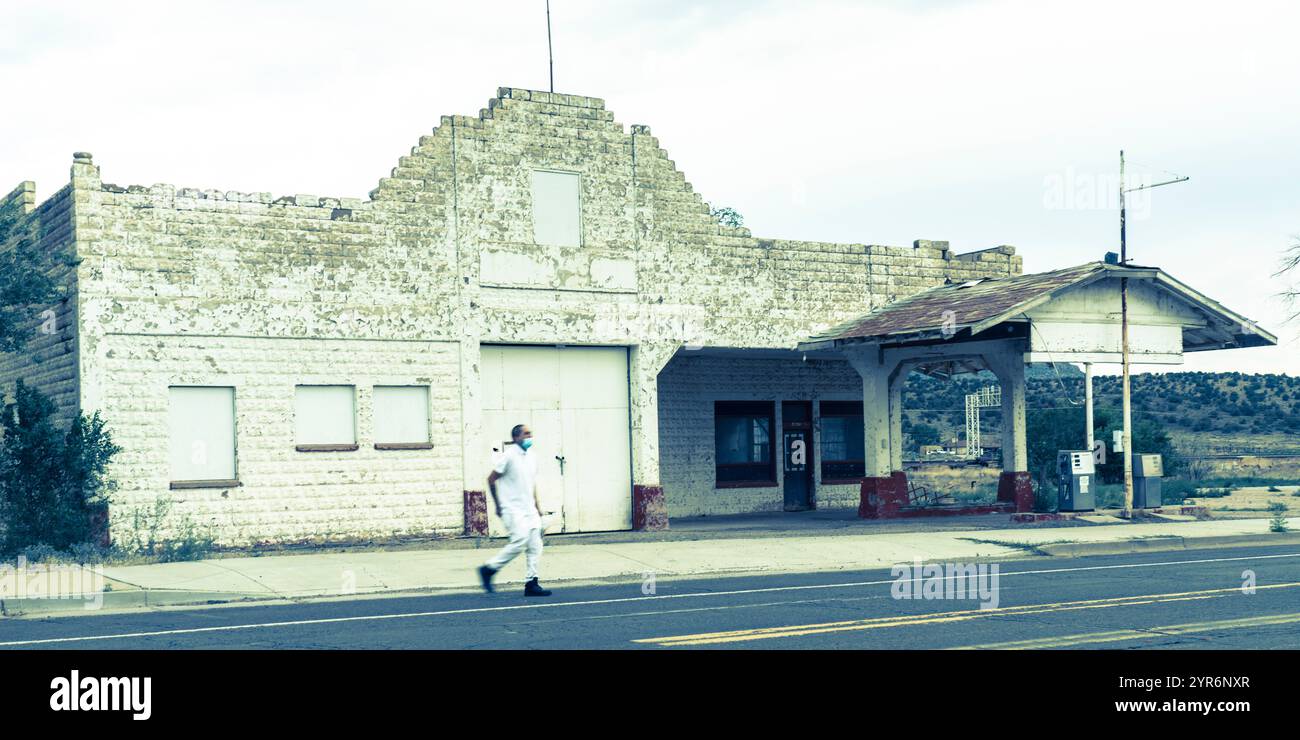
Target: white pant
[(525, 534)]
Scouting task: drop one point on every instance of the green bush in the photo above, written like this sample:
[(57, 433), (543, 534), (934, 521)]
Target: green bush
[(1175, 490), (191, 542), (1109, 495), (52, 484), (1047, 431), (1045, 498), (1277, 520)]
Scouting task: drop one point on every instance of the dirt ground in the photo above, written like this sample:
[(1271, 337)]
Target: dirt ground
[(1251, 502)]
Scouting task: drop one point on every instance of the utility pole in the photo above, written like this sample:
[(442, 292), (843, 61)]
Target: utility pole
[(1127, 438), (1087, 413), (550, 51), (1123, 312)]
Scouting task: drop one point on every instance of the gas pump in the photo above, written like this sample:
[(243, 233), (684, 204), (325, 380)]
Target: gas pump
[(1147, 472), (1075, 473)]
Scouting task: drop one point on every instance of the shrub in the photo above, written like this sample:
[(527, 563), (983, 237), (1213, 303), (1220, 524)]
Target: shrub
[(1175, 490), (51, 484), (1045, 498), (1277, 521), (1109, 495), (191, 542), (1213, 492), (188, 541)]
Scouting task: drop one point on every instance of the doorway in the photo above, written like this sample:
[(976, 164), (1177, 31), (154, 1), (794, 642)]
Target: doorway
[(797, 442), (575, 399)]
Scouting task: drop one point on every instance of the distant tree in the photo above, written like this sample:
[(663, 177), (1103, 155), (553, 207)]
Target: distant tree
[(728, 217), (924, 434), (24, 284), (1150, 437), (1048, 431), (1291, 266)]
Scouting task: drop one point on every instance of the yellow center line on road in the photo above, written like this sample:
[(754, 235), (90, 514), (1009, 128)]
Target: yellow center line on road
[(1172, 630), (764, 633)]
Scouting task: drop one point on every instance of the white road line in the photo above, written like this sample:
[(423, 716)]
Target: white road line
[(593, 602)]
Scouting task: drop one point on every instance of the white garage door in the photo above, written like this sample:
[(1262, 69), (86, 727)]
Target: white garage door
[(575, 400)]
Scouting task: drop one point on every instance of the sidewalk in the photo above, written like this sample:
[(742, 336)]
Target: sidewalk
[(693, 550)]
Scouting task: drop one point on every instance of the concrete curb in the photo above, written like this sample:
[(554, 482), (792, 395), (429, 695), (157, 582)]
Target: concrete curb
[(1167, 544), (119, 600)]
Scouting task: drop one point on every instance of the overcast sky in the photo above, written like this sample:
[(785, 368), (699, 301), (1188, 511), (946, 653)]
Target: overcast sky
[(982, 123)]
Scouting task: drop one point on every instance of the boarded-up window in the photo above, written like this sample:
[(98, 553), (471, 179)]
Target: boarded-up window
[(201, 423), (325, 415), (401, 414), (557, 209)]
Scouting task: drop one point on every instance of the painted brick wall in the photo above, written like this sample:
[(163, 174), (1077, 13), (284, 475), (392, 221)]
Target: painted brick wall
[(49, 360), (688, 388), (287, 496), (187, 286)]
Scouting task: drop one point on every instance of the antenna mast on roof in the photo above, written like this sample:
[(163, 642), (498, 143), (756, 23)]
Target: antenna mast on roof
[(550, 51), (1123, 312)]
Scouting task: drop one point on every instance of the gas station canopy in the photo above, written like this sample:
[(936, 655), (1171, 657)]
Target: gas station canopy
[(1067, 315), (999, 324)]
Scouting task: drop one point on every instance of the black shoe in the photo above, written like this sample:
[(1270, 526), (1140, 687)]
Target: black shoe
[(485, 575), (532, 589)]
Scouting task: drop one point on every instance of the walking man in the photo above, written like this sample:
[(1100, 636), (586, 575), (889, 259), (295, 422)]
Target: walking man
[(514, 492)]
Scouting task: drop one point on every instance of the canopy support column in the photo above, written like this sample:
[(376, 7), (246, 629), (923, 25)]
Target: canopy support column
[(884, 488), (1014, 484)]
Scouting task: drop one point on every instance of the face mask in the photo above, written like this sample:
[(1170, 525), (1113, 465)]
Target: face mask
[(526, 443)]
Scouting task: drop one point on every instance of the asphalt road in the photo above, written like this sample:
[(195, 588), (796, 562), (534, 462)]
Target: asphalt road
[(1191, 599)]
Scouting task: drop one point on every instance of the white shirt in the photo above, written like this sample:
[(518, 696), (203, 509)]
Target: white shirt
[(517, 470)]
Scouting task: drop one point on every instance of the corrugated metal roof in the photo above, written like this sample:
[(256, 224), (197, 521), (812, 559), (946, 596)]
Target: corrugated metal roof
[(970, 303)]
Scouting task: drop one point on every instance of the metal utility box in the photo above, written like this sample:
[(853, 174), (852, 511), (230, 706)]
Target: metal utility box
[(1147, 472), (1075, 473)]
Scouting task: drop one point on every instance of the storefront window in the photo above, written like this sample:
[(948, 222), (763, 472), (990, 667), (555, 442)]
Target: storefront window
[(743, 441)]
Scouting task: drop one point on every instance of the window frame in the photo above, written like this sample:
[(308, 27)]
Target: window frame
[(749, 410), (327, 446), (193, 483), (839, 410), (532, 194), (427, 444)]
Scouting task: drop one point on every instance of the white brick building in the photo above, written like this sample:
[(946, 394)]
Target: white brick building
[(306, 369)]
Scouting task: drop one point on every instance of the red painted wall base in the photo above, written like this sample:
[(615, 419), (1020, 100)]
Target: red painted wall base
[(1015, 487), (882, 498), (649, 510)]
